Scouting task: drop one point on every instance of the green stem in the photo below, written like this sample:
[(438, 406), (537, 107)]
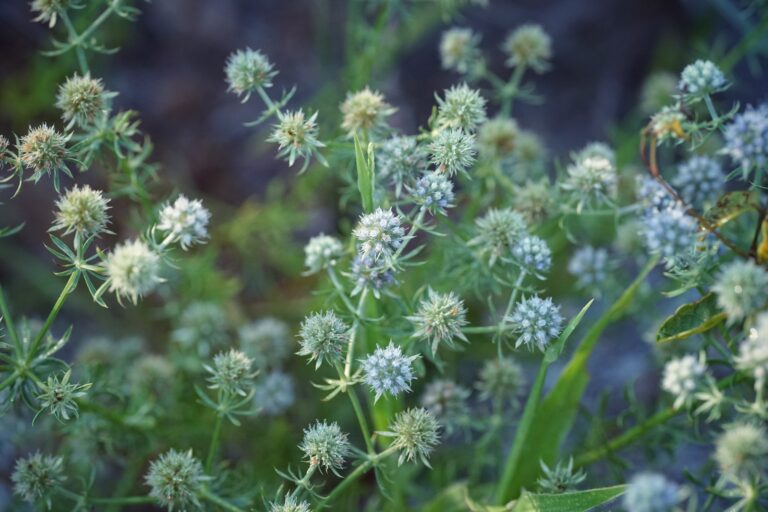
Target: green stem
[(411, 233), (353, 336), (209, 496), (711, 109), (97, 22), (214, 446), (9, 323), (126, 500), (481, 329), (9, 380), (81, 59), (355, 475), (68, 288), (510, 304), (510, 90), (364, 429), (340, 288)]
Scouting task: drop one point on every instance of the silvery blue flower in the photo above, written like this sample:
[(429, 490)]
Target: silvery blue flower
[(274, 393), (699, 181), (533, 254), (589, 265), (433, 191), (700, 79), (651, 492), (388, 370), (746, 139), (380, 234), (536, 321)]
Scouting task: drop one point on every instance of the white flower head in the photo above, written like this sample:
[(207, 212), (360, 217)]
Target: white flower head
[(185, 221), (683, 376), (133, 270)]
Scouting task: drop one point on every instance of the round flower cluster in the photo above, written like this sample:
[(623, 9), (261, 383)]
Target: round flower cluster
[(399, 157), (462, 108), (439, 319), (175, 480), (200, 326), (667, 124), (323, 337), (701, 79), (380, 234), (497, 231), (266, 341), (322, 252), (447, 401), (741, 452), (82, 210), (530, 149), (530, 46), (133, 270), (533, 254), (740, 289), (247, 71), (536, 322), (364, 110), (434, 191), (37, 477), (453, 151), (231, 373), (290, 504), (59, 396), (589, 266), (48, 11), (498, 138), (185, 221), (534, 201), (459, 50), (596, 150), (652, 195), (367, 275), (699, 181), (43, 150), (81, 99), (500, 379), (682, 376), (296, 136), (753, 351), (387, 370), (592, 180), (274, 393), (670, 232), (746, 139), (416, 432), (326, 446), (652, 492)]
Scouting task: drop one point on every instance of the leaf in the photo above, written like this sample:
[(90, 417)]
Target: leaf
[(579, 501), (364, 175), (690, 319), (730, 206)]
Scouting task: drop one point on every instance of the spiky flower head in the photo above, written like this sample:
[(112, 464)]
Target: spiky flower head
[(536, 321), (201, 326), (658, 88), (400, 157), (740, 289), (589, 265), (497, 231), (533, 254), (651, 492), (670, 232), (48, 11), (367, 275), (82, 210), (380, 234), (175, 480), (365, 110), (185, 221), (591, 180), (36, 478), (753, 351), (325, 446), (448, 403), (595, 150), (4, 145), (498, 138), (59, 396), (439, 319), (321, 252), (699, 181), (561, 478), (323, 337), (530, 46), (266, 341), (248, 70), (415, 433), (462, 107), (667, 124), (534, 201), (231, 373), (701, 79), (453, 151), (652, 195), (500, 379), (81, 99), (296, 136), (746, 139), (459, 50), (290, 504), (133, 270), (530, 148), (44, 150), (741, 451), (274, 393), (683, 376), (388, 370), (433, 191)]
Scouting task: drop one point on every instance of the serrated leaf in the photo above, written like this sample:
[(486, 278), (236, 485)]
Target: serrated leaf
[(690, 319), (579, 501), (730, 206)]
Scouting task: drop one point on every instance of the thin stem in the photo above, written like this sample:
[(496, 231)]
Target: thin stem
[(9, 323), (9, 380), (353, 335), (364, 429), (68, 288), (411, 233), (340, 288), (510, 304), (214, 446), (357, 473), (480, 329), (711, 109), (510, 90), (209, 496), (97, 22), (81, 59), (126, 500)]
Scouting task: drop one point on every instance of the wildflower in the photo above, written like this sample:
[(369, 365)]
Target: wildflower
[(231, 373), (682, 376), (670, 232), (185, 221), (453, 151), (701, 79), (592, 180), (529, 149), (201, 325), (59, 396), (459, 50), (175, 479), (434, 191), (81, 99), (439, 319), (746, 139), (699, 181), (152, 373), (365, 110), (561, 478), (533, 254), (248, 71), (658, 88), (596, 150), (740, 289), (462, 108), (652, 195), (367, 275), (497, 231), (534, 201), (400, 157), (528, 46), (498, 138), (133, 269), (274, 393), (266, 341), (48, 11), (82, 210), (536, 321), (4, 145), (447, 402), (387, 370), (741, 451), (415, 433), (37, 477), (326, 446), (651, 492), (500, 379), (296, 136), (667, 124), (322, 252), (589, 266), (380, 234), (753, 351), (44, 150), (323, 337), (290, 504)]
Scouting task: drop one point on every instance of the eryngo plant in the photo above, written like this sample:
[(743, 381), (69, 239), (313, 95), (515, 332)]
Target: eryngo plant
[(439, 291)]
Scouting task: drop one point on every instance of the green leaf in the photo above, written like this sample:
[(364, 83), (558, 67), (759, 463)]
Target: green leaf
[(690, 319), (730, 206), (364, 175), (579, 501)]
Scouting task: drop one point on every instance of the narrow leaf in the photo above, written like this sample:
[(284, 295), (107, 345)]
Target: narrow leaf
[(364, 177), (690, 319)]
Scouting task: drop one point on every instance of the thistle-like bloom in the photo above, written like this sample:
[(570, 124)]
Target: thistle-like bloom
[(326, 446), (529, 149), (529, 46), (670, 232), (741, 451), (448, 403), (740, 289), (453, 151), (82, 210), (175, 480), (433, 191), (321, 252), (266, 341), (231, 373), (561, 478), (44, 150), (366, 274), (701, 79), (48, 11), (591, 180), (323, 337), (658, 88), (589, 265), (185, 221), (536, 321), (365, 110), (498, 138), (753, 351), (459, 50), (652, 195), (667, 124), (387, 370), (248, 70), (200, 326), (296, 137), (81, 99), (133, 270), (497, 231), (501, 379), (439, 319), (416, 432), (37, 477), (683, 376), (399, 158), (380, 234), (535, 201), (462, 108), (652, 492), (746, 139), (533, 254), (595, 150), (290, 504), (274, 393), (699, 181), (59, 396)]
